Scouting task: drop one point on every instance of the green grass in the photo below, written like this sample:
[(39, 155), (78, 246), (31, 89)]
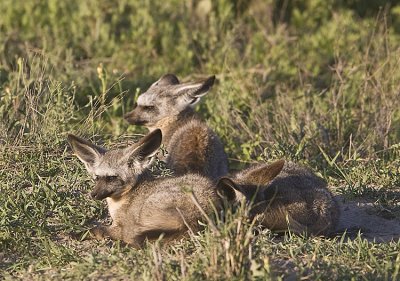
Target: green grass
[(312, 81)]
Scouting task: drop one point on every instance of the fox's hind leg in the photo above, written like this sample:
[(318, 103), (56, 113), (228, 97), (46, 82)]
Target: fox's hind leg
[(168, 224), (297, 227), (101, 232), (278, 219)]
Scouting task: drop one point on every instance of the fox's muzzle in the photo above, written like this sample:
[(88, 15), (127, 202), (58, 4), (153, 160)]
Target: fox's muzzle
[(134, 118), (100, 192), (100, 195)]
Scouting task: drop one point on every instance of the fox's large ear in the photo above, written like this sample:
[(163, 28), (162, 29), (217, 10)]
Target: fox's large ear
[(149, 144), (226, 188), (86, 151), (141, 154), (264, 174), (191, 93)]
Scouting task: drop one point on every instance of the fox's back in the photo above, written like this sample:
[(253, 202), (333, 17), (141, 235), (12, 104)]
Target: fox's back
[(305, 197), (298, 179), (172, 197), (195, 148)]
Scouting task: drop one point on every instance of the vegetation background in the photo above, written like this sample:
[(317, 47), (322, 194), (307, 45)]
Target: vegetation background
[(314, 81)]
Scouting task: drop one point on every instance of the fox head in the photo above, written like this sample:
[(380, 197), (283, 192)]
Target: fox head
[(250, 184), (116, 171), (167, 97)]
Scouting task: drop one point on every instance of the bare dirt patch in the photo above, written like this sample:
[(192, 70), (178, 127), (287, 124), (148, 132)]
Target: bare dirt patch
[(361, 216)]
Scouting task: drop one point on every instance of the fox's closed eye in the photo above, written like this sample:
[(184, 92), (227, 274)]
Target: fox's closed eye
[(148, 107), (111, 178)]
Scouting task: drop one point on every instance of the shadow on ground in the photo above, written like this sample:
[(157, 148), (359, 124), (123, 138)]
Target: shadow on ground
[(361, 216)]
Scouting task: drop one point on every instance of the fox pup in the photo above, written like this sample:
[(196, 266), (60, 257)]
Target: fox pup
[(141, 206), (286, 196), (192, 146)]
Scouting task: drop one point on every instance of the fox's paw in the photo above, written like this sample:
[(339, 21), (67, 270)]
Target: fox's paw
[(98, 232)]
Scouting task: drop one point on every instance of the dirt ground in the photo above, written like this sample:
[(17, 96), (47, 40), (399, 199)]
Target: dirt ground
[(360, 215)]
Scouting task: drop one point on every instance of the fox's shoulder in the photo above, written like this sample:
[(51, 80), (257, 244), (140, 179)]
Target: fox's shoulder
[(194, 135)]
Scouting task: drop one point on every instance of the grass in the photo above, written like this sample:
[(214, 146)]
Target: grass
[(316, 82)]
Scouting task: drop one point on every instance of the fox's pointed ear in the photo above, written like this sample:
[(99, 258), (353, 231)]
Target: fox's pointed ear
[(199, 89), (192, 92), (141, 154), (264, 174), (86, 151), (166, 80), (149, 144), (226, 188)]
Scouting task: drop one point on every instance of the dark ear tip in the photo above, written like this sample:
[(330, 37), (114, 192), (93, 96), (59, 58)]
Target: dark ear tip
[(157, 134), (226, 188), (170, 78), (71, 137), (224, 180), (169, 75), (281, 162), (210, 80)]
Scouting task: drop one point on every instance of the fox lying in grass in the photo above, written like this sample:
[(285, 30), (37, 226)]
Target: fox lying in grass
[(192, 146), (284, 196), (141, 206)]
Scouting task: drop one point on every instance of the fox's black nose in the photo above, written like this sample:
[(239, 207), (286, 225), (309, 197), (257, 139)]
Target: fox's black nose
[(128, 116), (93, 194), (101, 192), (134, 105)]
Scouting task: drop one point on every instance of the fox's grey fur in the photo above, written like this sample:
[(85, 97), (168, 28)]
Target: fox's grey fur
[(192, 146), (141, 206), (285, 196)]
